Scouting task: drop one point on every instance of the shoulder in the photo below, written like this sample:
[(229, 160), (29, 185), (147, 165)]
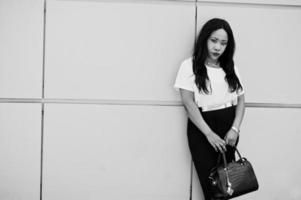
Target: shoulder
[(236, 70), (187, 61), (186, 65), (185, 76)]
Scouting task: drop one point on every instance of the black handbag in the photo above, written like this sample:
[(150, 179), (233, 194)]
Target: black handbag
[(232, 179)]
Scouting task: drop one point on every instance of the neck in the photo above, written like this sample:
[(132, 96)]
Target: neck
[(211, 61)]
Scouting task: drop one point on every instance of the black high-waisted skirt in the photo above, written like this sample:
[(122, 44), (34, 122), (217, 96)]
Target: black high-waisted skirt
[(203, 154)]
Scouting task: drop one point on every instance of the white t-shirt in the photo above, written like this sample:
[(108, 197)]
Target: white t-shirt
[(219, 93)]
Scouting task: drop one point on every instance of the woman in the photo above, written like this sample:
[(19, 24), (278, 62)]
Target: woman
[(213, 98)]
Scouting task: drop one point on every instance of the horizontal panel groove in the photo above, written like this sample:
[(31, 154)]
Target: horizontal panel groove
[(133, 102), (114, 102), (272, 105), (20, 100), (254, 3), (134, 1), (92, 101), (249, 2)]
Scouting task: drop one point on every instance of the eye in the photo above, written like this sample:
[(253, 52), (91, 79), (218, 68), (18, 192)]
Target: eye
[(224, 43), (213, 40)]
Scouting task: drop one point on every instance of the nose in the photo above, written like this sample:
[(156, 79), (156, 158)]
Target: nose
[(217, 46)]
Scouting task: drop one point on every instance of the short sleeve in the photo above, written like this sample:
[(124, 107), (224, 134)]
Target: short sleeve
[(241, 91), (185, 76)]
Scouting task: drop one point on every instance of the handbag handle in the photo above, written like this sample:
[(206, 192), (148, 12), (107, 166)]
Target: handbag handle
[(224, 157), (229, 185)]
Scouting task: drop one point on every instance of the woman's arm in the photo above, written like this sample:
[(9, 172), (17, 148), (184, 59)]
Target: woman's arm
[(195, 116), (233, 133), (240, 111)]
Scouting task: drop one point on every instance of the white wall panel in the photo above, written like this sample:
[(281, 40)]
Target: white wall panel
[(116, 50), (115, 152), (264, 2), (21, 49), (268, 40), (20, 147), (270, 139), (197, 192)]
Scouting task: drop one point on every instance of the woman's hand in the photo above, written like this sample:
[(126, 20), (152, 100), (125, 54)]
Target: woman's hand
[(231, 137), (216, 142)]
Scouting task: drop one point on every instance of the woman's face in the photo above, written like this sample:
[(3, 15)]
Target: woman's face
[(216, 44)]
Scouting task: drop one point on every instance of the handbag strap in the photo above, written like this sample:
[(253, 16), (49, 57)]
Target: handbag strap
[(225, 160), (229, 185), (238, 153)]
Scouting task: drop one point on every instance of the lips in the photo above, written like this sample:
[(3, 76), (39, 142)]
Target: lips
[(216, 54)]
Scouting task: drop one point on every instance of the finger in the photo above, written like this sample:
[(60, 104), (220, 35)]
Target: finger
[(216, 147), (232, 144), (220, 148), (225, 148), (223, 144), (213, 145)]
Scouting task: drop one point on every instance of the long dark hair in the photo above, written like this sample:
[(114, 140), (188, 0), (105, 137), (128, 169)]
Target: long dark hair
[(226, 59)]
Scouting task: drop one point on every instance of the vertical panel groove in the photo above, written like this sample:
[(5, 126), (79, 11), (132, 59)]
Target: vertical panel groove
[(42, 144), (195, 39), (42, 103), (44, 47)]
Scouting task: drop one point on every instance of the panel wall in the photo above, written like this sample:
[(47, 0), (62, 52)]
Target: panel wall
[(101, 50), (21, 49), (270, 140), (271, 137), (267, 51), (96, 48), (260, 2), (20, 147), (115, 152)]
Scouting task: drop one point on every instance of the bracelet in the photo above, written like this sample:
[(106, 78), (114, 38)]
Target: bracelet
[(235, 129)]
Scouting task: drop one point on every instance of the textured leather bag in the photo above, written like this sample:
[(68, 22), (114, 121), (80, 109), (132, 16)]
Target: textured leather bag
[(232, 179)]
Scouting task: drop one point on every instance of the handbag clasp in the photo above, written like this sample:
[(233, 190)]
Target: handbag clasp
[(229, 188)]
